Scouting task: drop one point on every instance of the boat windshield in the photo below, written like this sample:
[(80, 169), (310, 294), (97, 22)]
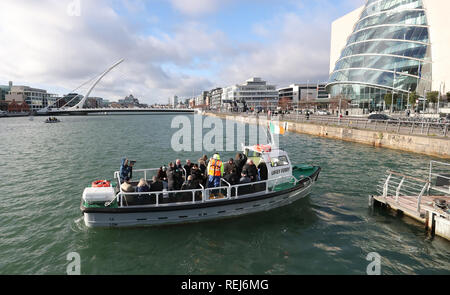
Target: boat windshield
[(279, 161)]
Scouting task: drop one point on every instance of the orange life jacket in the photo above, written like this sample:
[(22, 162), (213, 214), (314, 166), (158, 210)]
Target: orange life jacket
[(215, 169)]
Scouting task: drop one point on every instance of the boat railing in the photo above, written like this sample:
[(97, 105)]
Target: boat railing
[(156, 199), (167, 198), (145, 173)]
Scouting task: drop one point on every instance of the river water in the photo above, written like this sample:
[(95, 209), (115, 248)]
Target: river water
[(45, 167)]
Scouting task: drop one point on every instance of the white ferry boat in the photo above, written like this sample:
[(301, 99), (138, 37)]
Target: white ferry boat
[(111, 207)]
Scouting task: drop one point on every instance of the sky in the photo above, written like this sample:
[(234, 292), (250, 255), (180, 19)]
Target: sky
[(170, 47)]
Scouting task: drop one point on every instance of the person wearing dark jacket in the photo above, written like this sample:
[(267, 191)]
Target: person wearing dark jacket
[(263, 172), (162, 174), (189, 184), (202, 165), (178, 164), (126, 170), (197, 175), (230, 172), (174, 178), (251, 171), (157, 185), (240, 162), (188, 167)]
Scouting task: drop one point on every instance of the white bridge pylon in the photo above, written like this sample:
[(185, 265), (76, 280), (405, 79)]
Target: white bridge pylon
[(81, 103)]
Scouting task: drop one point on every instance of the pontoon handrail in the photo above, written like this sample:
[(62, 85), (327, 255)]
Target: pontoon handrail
[(406, 176)]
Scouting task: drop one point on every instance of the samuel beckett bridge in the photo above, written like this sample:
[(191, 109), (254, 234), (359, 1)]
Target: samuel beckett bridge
[(81, 109)]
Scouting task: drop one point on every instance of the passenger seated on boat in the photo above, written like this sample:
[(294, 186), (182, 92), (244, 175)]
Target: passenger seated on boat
[(189, 184), (251, 171), (246, 189), (126, 170), (162, 176), (157, 185), (245, 179), (143, 186), (126, 186)]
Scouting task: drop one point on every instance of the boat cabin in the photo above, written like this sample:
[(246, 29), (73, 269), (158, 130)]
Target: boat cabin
[(276, 160)]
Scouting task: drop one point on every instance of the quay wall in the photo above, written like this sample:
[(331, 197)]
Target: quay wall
[(427, 145)]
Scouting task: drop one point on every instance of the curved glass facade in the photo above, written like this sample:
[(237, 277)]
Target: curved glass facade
[(388, 51)]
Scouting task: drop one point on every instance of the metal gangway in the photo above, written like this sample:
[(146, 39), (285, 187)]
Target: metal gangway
[(410, 194), (426, 200)]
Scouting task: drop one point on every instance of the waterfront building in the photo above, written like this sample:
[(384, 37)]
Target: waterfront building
[(4, 90), (216, 98), (115, 105), (192, 103), (255, 92), (35, 98), (129, 102), (21, 107), (105, 103), (202, 99), (173, 101), (390, 47), (68, 100), (296, 93)]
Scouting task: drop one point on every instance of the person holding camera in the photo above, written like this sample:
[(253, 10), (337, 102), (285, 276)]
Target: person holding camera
[(126, 170)]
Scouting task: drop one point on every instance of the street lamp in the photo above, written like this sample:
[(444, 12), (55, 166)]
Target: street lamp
[(393, 90), (424, 100), (439, 97), (407, 103)]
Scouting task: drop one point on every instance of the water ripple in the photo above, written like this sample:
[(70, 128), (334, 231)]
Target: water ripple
[(331, 232)]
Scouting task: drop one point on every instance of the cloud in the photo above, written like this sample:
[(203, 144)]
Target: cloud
[(47, 46), (196, 7), (41, 44), (295, 50)]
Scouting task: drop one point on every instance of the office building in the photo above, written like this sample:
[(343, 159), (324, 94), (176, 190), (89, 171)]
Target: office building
[(216, 98), (35, 98), (390, 47), (255, 92)]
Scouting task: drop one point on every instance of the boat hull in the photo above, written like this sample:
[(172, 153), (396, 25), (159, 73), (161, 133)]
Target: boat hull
[(196, 213)]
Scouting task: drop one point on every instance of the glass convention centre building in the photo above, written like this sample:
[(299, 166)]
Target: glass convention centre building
[(387, 46)]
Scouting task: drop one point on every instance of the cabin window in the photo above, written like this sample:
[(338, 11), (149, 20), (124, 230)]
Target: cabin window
[(253, 154), (279, 161)]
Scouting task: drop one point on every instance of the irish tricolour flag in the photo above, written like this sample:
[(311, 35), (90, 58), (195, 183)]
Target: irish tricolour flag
[(277, 129)]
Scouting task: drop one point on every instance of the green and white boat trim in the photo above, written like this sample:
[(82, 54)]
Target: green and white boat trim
[(286, 183)]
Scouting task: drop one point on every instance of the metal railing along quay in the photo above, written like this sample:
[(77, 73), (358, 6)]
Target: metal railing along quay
[(398, 126)]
